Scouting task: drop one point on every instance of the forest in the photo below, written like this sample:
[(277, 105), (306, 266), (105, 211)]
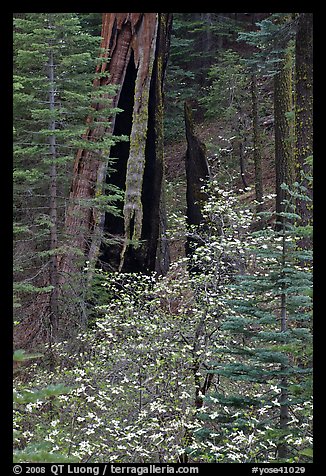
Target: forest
[(163, 225)]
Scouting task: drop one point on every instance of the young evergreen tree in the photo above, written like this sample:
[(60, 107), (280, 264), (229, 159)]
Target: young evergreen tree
[(53, 72), (195, 41), (274, 59), (264, 364)]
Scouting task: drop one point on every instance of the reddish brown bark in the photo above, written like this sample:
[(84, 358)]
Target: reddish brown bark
[(117, 32), (136, 42), (123, 35)]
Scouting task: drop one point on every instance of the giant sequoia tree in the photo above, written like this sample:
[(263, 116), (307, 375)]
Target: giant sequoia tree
[(129, 77), (134, 48)]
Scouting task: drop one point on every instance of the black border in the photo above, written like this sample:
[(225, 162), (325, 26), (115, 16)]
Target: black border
[(7, 200)]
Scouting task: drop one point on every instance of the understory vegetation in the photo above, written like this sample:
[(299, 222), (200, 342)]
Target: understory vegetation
[(211, 361), (190, 362)]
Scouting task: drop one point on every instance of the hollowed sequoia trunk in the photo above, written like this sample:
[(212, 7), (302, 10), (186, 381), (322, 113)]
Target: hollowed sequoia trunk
[(138, 47)]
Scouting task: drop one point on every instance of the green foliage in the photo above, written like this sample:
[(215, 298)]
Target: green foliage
[(25, 449), (21, 355), (264, 353), (91, 23), (229, 86), (179, 84), (137, 372), (39, 40), (194, 43), (134, 375), (270, 40)]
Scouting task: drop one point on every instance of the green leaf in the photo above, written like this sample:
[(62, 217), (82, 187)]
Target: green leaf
[(21, 356)]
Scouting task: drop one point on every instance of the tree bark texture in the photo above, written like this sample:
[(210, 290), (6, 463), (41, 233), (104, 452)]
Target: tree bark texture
[(256, 144), (197, 170), (137, 45), (54, 295), (304, 105), (284, 407), (197, 173), (283, 105), (41, 323)]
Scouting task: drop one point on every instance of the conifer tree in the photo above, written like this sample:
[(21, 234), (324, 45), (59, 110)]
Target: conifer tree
[(196, 40), (264, 365), (53, 73), (274, 59)]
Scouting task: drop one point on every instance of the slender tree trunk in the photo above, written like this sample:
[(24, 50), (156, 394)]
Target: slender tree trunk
[(284, 409), (284, 168), (284, 157), (54, 304), (206, 42), (241, 154), (256, 145), (158, 249), (242, 165), (304, 106)]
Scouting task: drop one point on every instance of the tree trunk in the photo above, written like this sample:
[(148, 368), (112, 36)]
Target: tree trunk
[(256, 144), (304, 106), (242, 165), (54, 295), (284, 408), (137, 44), (197, 173), (241, 153), (284, 158)]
